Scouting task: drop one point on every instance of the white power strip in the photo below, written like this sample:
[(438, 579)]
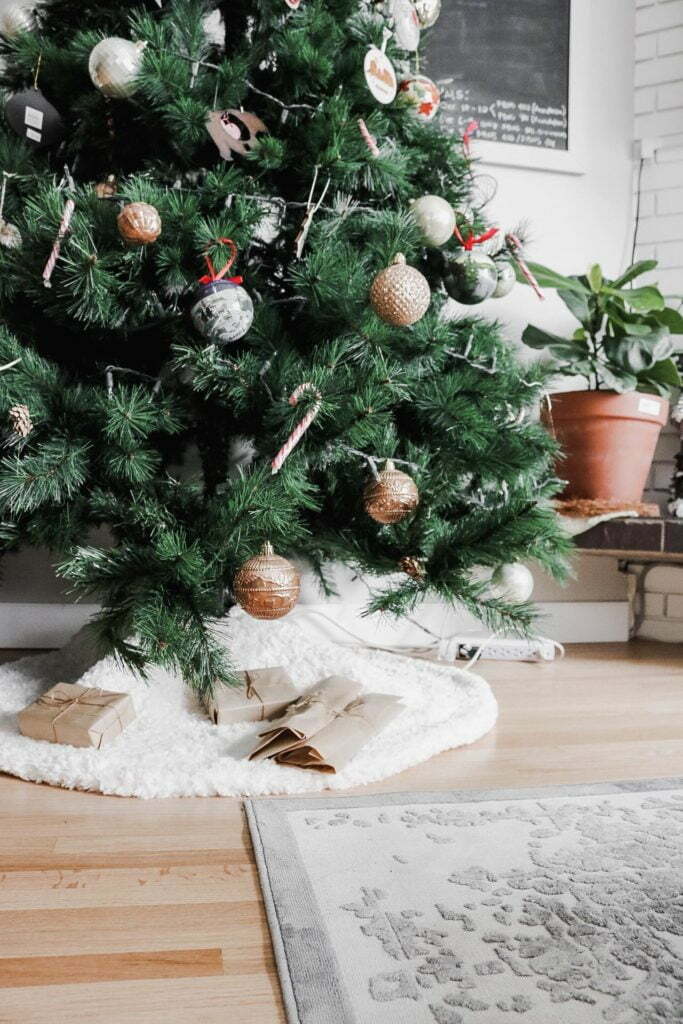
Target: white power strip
[(537, 649)]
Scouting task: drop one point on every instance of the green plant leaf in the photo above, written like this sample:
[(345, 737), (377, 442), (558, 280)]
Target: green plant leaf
[(548, 278), (671, 318), (566, 348), (636, 354), (618, 380), (577, 304), (579, 334), (635, 270), (665, 373), (644, 299), (595, 277)]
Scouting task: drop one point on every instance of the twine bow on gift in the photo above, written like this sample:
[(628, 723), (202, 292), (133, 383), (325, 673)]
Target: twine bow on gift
[(66, 703), (353, 710), (213, 275), (469, 243), (252, 692)]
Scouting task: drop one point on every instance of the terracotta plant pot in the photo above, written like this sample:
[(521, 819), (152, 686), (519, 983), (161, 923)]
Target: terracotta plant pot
[(608, 441)]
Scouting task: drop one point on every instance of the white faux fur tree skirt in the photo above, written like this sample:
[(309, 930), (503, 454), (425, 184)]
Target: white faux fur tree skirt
[(172, 749)]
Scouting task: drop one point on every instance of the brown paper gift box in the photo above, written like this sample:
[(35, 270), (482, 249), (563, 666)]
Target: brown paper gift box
[(263, 692), (333, 747), (81, 716), (311, 712)]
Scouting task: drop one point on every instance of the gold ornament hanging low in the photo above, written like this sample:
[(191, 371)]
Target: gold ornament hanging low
[(412, 567), (400, 294), (139, 223), (392, 496), (267, 585)]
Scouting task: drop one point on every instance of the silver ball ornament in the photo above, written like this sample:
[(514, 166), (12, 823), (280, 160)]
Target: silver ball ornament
[(428, 11), (469, 276), (506, 279), (114, 64), (224, 311), (15, 19), (435, 218), (512, 582)]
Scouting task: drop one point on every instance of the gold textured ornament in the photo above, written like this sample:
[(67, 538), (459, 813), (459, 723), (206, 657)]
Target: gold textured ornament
[(139, 223), (412, 567), (267, 585), (392, 496), (400, 294)]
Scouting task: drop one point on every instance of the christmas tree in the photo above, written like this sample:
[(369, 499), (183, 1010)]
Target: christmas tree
[(275, 149)]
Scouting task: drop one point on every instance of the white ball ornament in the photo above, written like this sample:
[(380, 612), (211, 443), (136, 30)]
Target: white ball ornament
[(506, 279), (435, 218), (16, 18), (428, 11), (114, 64), (512, 582)]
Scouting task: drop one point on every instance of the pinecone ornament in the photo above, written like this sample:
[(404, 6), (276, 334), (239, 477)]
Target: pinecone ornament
[(20, 420), (412, 567), (392, 496), (400, 294)]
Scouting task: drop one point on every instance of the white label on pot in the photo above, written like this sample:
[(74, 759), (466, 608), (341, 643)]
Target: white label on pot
[(649, 405)]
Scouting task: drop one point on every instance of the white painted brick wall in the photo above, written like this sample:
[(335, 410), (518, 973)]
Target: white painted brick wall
[(659, 116)]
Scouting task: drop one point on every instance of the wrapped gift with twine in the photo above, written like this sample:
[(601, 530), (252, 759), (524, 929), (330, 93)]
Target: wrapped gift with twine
[(333, 747), (81, 716), (307, 716), (261, 693)]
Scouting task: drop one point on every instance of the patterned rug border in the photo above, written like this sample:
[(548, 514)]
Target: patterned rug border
[(310, 977)]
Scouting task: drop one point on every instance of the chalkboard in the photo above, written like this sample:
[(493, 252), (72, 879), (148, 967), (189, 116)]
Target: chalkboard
[(504, 63)]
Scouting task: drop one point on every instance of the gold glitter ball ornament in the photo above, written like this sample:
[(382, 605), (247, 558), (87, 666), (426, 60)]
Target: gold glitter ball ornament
[(267, 586), (139, 223), (392, 496), (400, 294)]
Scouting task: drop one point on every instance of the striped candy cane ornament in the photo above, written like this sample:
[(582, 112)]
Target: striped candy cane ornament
[(515, 247), (65, 222), (301, 427)]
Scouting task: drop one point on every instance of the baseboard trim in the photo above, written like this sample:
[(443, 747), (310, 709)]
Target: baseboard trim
[(41, 625), (51, 625)]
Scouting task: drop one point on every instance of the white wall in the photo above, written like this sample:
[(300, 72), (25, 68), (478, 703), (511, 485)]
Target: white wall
[(574, 219), (577, 220)]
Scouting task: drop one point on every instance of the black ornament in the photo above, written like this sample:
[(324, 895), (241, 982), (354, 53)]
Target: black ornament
[(469, 277), (34, 118)]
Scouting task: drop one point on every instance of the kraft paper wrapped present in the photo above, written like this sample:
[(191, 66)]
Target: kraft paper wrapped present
[(307, 716), (333, 747), (263, 692), (81, 716)]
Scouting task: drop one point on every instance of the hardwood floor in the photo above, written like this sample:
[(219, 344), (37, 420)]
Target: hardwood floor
[(118, 911)]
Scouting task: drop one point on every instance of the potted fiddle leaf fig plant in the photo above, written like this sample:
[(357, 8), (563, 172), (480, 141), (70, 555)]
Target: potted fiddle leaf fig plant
[(623, 350)]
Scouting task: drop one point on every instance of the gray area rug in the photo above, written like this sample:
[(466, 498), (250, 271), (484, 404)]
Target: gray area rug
[(540, 906)]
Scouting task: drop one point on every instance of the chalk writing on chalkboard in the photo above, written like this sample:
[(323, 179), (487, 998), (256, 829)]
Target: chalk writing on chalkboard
[(506, 64)]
